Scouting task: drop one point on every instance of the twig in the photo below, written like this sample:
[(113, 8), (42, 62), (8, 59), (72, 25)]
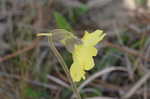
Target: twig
[(25, 49), (127, 50), (58, 81), (98, 74), (137, 86), (100, 97), (3, 74), (98, 3)]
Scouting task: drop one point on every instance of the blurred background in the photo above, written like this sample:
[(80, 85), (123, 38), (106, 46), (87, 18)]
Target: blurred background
[(29, 70)]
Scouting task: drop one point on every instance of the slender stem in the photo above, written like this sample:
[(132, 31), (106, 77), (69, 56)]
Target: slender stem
[(64, 66)]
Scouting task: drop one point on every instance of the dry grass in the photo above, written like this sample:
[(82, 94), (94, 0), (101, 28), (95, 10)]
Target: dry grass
[(29, 70)]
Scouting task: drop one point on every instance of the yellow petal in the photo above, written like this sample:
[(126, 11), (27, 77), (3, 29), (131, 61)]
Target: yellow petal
[(83, 54), (92, 51), (88, 64), (77, 72), (82, 51), (91, 39)]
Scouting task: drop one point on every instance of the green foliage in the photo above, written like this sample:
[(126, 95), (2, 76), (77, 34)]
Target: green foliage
[(111, 57), (65, 93), (139, 43), (62, 22), (76, 12), (141, 2), (81, 10), (34, 94), (67, 58), (95, 92)]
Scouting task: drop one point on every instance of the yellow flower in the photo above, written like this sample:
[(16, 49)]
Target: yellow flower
[(83, 54)]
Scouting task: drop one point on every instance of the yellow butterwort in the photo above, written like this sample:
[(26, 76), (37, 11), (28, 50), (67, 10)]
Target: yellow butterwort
[(82, 50), (83, 54)]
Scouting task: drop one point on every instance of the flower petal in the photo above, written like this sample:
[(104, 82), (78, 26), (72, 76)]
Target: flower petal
[(77, 72), (91, 39), (83, 54)]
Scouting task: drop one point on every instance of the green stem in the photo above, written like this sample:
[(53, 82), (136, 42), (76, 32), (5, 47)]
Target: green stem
[(64, 66)]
